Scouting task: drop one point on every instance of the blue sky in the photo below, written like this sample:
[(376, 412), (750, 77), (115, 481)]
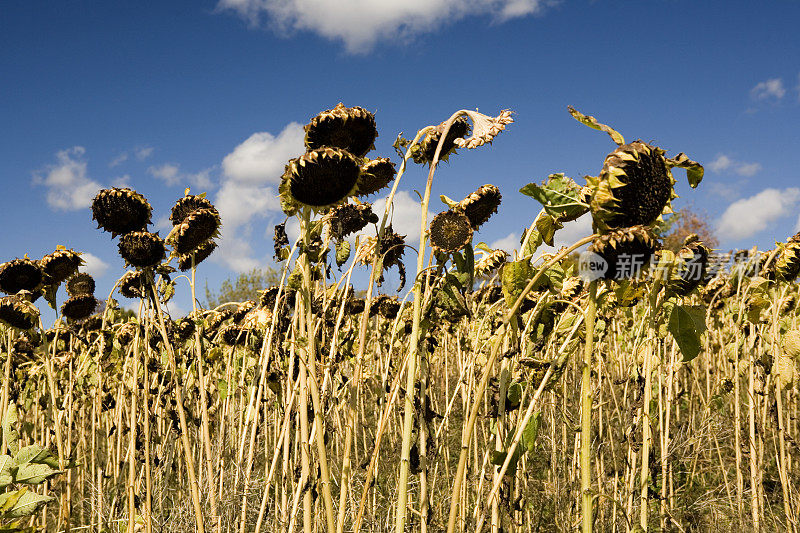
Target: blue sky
[(212, 94)]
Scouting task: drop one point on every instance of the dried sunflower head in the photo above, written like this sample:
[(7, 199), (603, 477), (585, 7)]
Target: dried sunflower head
[(691, 270), (787, 264), (196, 228), (392, 247), (480, 205), (132, 284), (424, 151), (184, 328), (121, 210), (142, 249), (485, 128), (79, 307), (349, 128), (318, 179), (20, 275), (188, 204), (233, 335), (60, 265), (375, 175), (388, 306), (636, 185), (200, 254), (79, 284), (571, 287), (347, 219), (450, 232), (490, 263), (625, 251), (634, 188), (18, 313)]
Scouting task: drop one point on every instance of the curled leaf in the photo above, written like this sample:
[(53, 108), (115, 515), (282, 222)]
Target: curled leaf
[(590, 121), (694, 170)]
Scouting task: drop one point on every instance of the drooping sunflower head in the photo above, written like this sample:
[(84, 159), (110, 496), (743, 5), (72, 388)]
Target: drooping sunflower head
[(79, 284), (132, 284), (121, 210), (20, 275), (349, 128), (490, 263), (79, 307), (347, 219), (142, 249), (201, 253), (787, 264), (60, 265), (18, 312), (691, 270), (318, 179), (375, 175), (186, 205), (480, 205), (450, 231), (424, 151), (634, 188), (626, 251), (195, 229)]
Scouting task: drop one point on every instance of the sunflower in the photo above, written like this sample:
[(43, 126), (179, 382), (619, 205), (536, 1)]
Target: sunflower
[(450, 232), (121, 210), (79, 284), (196, 228), (625, 251), (186, 205), (787, 264), (200, 254), (635, 185), (424, 151), (347, 219), (142, 249), (20, 275), (692, 268), (375, 175), (349, 128), (60, 265), (318, 179), (18, 312), (490, 263), (132, 284), (79, 307), (480, 205)]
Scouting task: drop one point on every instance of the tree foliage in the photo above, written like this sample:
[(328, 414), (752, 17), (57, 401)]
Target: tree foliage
[(674, 230), (245, 286)]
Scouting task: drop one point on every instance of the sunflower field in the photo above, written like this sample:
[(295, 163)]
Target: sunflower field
[(611, 385)]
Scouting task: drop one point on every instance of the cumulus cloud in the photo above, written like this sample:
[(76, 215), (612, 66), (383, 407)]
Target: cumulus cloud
[(725, 163), (171, 174), (359, 25), (509, 243), (93, 265), (143, 152), (248, 192), (749, 216), (67, 183), (771, 89)]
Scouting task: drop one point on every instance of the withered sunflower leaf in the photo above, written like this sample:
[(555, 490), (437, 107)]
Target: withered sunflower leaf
[(694, 170), (687, 324), (547, 226), (560, 196), (590, 121)]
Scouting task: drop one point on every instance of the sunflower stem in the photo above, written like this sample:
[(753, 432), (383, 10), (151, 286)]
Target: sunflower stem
[(587, 519)]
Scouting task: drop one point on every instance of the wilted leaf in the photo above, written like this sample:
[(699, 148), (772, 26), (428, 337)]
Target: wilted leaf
[(590, 121), (694, 170), (26, 504), (515, 277), (10, 433), (342, 252), (547, 227), (531, 431), (33, 474), (560, 196)]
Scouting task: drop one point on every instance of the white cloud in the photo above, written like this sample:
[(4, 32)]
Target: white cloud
[(749, 216), (171, 174), (797, 226), (361, 24), (771, 89), (724, 162), (121, 158), (405, 214), (143, 152), (509, 243), (261, 158), (93, 265), (249, 191), (67, 183)]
